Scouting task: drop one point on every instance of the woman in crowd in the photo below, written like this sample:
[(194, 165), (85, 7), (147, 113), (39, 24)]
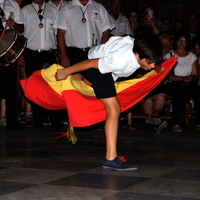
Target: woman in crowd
[(184, 81)]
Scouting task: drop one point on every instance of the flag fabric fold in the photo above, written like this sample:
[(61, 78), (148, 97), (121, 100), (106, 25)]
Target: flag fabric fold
[(83, 108)]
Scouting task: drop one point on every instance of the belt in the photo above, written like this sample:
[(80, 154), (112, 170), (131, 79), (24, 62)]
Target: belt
[(42, 51), (83, 49)]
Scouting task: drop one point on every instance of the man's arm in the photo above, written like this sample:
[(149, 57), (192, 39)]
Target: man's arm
[(19, 27), (105, 36), (65, 62), (62, 74)]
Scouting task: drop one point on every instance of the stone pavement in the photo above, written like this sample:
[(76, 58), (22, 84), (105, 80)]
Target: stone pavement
[(36, 166)]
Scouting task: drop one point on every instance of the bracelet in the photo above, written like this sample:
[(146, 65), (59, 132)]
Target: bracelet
[(153, 25)]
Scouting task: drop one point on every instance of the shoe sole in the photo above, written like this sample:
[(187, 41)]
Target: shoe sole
[(162, 126), (119, 170), (198, 128), (175, 130), (153, 121)]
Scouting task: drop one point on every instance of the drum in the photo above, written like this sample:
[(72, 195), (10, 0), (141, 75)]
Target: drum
[(12, 45)]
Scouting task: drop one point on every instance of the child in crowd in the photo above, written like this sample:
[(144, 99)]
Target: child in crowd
[(119, 57)]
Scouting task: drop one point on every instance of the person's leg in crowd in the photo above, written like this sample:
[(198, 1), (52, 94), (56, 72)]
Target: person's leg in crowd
[(177, 103), (130, 125), (148, 109), (11, 85), (2, 112), (152, 107), (2, 97)]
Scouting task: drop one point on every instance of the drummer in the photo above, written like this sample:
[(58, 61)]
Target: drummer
[(12, 19), (11, 15)]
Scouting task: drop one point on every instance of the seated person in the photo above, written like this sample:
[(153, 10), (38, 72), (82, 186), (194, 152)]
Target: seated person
[(184, 80), (152, 105)]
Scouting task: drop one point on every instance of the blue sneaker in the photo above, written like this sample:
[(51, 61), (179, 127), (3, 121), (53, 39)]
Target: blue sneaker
[(118, 164)]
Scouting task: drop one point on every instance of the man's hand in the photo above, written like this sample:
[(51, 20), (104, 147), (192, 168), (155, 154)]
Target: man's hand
[(10, 22), (21, 62)]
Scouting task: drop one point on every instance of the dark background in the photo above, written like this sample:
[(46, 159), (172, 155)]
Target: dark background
[(171, 8)]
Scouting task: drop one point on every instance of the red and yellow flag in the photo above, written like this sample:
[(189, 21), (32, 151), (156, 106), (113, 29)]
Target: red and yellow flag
[(83, 108)]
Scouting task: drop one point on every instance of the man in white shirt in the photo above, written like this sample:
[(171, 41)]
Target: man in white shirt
[(41, 45), (57, 4), (122, 24), (81, 25), (12, 19)]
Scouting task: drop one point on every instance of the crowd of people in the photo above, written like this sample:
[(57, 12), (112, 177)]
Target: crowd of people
[(63, 32)]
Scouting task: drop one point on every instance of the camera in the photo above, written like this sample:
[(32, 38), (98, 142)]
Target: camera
[(150, 14)]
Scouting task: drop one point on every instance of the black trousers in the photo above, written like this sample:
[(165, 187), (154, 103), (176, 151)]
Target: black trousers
[(76, 55), (8, 91), (178, 92), (36, 61)]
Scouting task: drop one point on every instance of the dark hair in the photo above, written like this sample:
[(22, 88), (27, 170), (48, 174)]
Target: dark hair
[(149, 46), (196, 39), (136, 11), (164, 34), (166, 18), (182, 33)]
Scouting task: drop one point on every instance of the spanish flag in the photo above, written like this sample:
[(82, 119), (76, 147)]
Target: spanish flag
[(83, 108)]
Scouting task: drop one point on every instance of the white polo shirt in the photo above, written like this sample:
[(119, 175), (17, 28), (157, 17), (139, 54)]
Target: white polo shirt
[(39, 38), (116, 56), (122, 26), (79, 34)]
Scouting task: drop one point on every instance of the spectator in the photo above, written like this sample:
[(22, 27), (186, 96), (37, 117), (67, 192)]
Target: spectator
[(167, 24), (177, 26), (57, 4), (40, 51), (80, 28), (192, 24), (133, 19), (121, 22), (183, 81), (195, 48), (152, 107), (149, 21), (139, 7), (155, 102), (167, 43)]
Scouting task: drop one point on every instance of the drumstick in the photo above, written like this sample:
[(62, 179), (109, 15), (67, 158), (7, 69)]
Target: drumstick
[(11, 14)]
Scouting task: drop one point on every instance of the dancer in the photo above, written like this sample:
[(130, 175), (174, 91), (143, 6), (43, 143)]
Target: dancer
[(119, 57)]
